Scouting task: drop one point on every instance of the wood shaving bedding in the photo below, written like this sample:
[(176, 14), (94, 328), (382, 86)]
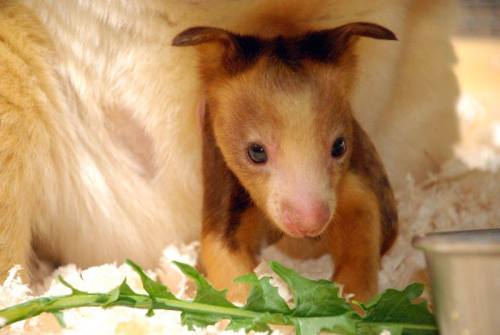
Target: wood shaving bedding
[(458, 198)]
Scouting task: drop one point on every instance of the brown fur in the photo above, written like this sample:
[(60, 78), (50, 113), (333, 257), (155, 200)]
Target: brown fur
[(253, 85), (75, 189), (355, 235), (367, 163)]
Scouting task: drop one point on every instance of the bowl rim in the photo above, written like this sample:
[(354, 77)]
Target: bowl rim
[(477, 241)]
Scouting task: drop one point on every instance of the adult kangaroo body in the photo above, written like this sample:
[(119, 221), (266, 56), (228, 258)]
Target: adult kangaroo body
[(100, 147)]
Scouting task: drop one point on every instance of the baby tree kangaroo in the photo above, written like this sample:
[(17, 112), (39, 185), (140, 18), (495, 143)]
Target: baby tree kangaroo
[(284, 160)]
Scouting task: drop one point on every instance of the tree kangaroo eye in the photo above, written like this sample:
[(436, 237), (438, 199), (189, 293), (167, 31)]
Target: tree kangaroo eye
[(257, 153), (338, 148)]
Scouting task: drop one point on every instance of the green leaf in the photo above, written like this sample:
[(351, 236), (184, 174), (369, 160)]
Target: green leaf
[(344, 324), (312, 297), (154, 288), (71, 287), (124, 289), (259, 324), (201, 320), (112, 297), (122, 295), (318, 306), (60, 318), (263, 296), (205, 292), (396, 311)]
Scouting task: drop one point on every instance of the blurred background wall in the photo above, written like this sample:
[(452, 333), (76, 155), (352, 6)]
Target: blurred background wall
[(477, 46), (479, 17)]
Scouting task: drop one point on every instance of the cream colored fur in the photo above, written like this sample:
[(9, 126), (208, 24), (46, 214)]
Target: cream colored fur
[(99, 140)]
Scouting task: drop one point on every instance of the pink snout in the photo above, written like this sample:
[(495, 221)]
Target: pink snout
[(305, 218)]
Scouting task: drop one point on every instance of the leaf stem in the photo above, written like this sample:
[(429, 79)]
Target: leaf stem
[(51, 304), (398, 324)]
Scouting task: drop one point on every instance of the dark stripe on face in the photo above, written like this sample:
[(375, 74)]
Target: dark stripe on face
[(240, 201)]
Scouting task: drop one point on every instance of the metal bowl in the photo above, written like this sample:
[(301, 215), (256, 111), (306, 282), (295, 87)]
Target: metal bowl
[(464, 269)]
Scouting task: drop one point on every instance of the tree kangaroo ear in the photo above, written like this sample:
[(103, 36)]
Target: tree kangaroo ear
[(330, 44), (366, 29), (200, 35), (220, 48)]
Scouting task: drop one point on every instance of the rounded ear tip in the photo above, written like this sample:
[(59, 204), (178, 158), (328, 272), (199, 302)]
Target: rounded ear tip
[(200, 34), (188, 37), (391, 36), (182, 39), (177, 41), (376, 31), (386, 34)]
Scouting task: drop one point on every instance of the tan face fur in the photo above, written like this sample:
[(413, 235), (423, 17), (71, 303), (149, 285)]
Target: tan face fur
[(289, 96), (296, 115)]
